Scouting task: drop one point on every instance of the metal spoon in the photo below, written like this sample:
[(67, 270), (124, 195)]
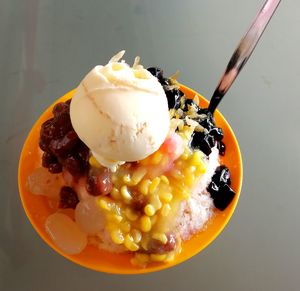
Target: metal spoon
[(243, 52)]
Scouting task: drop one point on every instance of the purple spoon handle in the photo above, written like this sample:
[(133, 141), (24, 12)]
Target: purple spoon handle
[(243, 52)]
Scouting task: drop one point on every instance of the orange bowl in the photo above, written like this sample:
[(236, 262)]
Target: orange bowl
[(37, 208)]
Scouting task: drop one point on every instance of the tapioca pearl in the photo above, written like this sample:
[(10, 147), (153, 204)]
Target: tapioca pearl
[(41, 182), (65, 233), (89, 216)]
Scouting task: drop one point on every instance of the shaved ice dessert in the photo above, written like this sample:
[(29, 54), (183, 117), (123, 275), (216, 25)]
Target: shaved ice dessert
[(130, 164)]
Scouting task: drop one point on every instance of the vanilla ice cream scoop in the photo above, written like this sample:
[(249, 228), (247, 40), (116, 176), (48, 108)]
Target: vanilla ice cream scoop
[(120, 112)]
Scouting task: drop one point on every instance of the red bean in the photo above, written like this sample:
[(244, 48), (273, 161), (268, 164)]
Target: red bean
[(139, 202), (68, 198), (73, 166), (55, 168), (48, 159), (157, 247), (61, 145), (99, 182)]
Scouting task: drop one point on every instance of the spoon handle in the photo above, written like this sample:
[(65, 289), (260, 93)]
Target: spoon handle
[(243, 52)]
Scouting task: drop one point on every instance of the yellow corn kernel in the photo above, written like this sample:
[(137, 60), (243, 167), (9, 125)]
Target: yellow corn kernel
[(157, 257), (127, 179), (187, 152), (183, 194), (94, 163), (156, 158), (117, 236), (165, 210), (186, 194), (184, 156), (125, 193), (142, 258), (154, 184), (170, 257), (138, 175), (115, 193), (136, 235), (164, 179), (130, 214), (177, 185), (189, 180), (144, 186), (176, 174), (115, 208), (125, 226), (144, 243), (203, 166), (189, 170), (165, 196), (186, 128), (135, 262), (178, 193), (149, 210), (114, 178), (160, 236), (200, 170), (103, 204), (110, 226), (115, 218), (179, 164), (145, 223), (153, 219), (187, 131), (197, 158), (155, 202), (180, 126), (172, 112), (130, 244)]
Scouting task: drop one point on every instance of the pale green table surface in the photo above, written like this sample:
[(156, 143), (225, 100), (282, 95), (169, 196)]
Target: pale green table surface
[(46, 47)]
